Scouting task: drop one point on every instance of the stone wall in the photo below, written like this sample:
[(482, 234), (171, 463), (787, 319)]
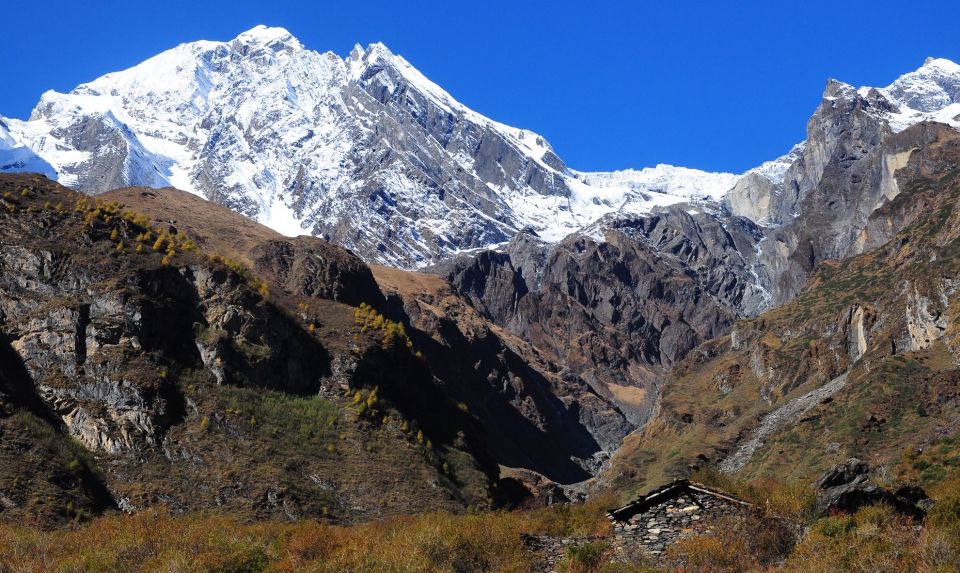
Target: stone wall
[(672, 513)]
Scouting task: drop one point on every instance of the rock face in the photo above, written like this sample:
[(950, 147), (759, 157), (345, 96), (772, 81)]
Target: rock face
[(619, 312), (829, 203), (605, 283), (842, 214), (660, 284), (173, 369), (759, 194), (89, 348), (535, 419), (870, 339), (558, 427), (614, 277), (538, 415), (637, 293), (313, 268), (38, 461), (173, 364)]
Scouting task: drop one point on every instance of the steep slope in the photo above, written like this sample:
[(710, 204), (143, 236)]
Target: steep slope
[(864, 362), (538, 415), (47, 476), (624, 299), (193, 382), (535, 420), (822, 201), (845, 129), (370, 154), (203, 361)]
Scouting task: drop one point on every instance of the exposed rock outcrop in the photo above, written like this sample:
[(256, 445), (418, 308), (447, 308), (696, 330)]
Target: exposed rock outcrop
[(862, 361), (310, 267), (847, 488), (839, 193)]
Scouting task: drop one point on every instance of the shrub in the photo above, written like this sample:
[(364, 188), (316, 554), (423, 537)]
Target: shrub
[(945, 513), (394, 333), (585, 558), (834, 526)]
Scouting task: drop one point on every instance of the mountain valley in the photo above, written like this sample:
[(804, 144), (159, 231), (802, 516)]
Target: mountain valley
[(249, 281)]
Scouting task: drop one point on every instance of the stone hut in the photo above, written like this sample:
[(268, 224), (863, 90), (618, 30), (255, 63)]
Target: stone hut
[(669, 513)]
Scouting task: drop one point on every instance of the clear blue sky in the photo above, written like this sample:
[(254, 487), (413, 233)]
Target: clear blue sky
[(717, 86)]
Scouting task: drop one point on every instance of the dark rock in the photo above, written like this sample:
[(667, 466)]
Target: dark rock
[(312, 267), (843, 474), (620, 313), (847, 487)]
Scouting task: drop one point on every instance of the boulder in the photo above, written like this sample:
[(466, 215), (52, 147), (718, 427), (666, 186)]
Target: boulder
[(847, 487)]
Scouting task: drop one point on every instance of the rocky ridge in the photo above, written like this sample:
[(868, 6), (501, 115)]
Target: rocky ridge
[(585, 317)]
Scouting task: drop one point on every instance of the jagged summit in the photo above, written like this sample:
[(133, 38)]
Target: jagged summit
[(929, 93), (363, 150), (942, 63)]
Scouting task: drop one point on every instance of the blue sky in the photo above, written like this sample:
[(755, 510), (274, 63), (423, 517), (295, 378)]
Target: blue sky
[(712, 85)]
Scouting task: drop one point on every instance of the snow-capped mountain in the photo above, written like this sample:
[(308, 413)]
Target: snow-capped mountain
[(367, 152), (363, 150), (932, 93)]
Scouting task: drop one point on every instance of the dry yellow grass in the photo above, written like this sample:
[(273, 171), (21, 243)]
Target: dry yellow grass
[(872, 540), (155, 541)]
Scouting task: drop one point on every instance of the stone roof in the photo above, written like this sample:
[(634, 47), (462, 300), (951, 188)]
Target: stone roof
[(670, 513)]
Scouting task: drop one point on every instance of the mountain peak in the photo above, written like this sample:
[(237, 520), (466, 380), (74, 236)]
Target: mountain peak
[(941, 63), (835, 88), (267, 35), (930, 93), (378, 49)]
